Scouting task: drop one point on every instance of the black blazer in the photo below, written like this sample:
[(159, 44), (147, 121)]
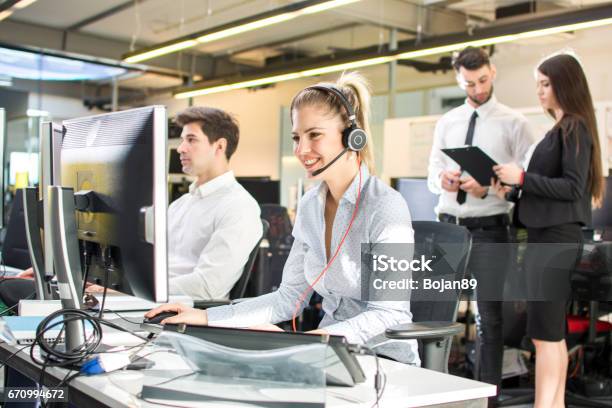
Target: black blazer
[(556, 186)]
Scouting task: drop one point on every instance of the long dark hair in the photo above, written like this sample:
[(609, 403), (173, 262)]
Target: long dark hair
[(570, 87)]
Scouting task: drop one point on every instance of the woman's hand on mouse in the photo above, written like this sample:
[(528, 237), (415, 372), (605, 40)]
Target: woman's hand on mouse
[(185, 314)]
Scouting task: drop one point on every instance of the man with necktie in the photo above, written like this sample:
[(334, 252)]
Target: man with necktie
[(505, 136)]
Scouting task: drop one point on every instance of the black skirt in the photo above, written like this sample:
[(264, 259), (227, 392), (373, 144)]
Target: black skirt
[(551, 256)]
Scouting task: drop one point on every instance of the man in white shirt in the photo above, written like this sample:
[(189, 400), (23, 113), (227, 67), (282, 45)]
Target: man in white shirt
[(505, 136), (213, 228)]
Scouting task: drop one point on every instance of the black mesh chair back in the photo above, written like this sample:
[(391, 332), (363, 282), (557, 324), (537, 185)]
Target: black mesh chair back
[(438, 239), (15, 248), (239, 289), (449, 245)]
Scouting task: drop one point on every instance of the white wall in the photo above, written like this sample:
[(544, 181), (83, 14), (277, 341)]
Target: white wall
[(60, 107), (516, 63)]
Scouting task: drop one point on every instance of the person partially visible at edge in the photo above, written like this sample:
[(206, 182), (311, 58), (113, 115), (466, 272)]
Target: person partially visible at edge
[(555, 188), (504, 135)]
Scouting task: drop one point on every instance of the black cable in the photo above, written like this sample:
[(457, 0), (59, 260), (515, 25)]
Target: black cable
[(87, 262), (380, 379), (54, 357), (67, 357), (5, 311), (14, 354), (178, 377), (71, 359), (107, 268), (85, 276), (86, 349), (68, 378), (124, 318)]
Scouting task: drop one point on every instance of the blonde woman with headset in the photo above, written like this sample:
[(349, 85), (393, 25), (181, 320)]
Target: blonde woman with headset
[(349, 206)]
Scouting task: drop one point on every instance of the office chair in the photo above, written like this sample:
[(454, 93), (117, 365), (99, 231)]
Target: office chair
[(15, 249), (15, 254), (269, 275), (434, 321), (239, 289), (280, 225)]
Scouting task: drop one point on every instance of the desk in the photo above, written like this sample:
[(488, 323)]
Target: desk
[(406, 386)]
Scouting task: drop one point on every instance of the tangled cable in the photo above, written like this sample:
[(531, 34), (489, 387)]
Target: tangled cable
[(59, 356)]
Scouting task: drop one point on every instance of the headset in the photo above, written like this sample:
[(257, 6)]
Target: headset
[(353, 137)]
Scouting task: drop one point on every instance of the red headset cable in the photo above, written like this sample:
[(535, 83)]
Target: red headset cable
[(311, 286)]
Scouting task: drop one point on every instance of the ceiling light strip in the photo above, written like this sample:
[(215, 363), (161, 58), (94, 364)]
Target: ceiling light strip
[(7, 8), (504, 38), (195, 39), (168, 49), (385, 59), (283, 77)]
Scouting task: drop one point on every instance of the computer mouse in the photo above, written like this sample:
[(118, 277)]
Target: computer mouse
[(159, 317)]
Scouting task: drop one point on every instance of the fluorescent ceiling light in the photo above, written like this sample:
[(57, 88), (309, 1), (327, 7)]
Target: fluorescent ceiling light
[(258, 23), (5, 14), (23, 4), (255, 25), (36, 112), (504, 38), (10, 9), (413, 54), (284, 77), (325, 6), (168, 49)]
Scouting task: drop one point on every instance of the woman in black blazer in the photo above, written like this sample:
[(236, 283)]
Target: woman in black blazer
[(563, 177)]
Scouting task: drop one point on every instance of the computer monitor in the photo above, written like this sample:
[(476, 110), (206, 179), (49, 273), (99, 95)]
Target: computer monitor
[(263, 190), (175, 166), (421, 202), (116, 165), (40, 244), (2, 136), (602, 217)]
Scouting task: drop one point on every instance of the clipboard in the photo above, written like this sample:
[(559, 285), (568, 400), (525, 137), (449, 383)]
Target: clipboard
[(474, 161)]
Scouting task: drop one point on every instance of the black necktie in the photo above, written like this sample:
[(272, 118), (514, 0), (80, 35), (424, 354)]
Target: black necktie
[(461, 195)]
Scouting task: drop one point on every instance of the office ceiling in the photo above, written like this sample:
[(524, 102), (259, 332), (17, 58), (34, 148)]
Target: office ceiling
[(133, 24)]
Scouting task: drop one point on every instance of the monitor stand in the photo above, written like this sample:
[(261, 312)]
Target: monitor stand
[(66, 259), (33, 222)]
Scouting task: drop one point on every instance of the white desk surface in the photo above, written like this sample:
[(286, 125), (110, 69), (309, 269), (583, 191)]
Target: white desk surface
[(407, 386)]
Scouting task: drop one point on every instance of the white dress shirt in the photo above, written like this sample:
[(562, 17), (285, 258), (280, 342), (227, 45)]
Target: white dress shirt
[(501, 132), (211, 231), (383, 217)]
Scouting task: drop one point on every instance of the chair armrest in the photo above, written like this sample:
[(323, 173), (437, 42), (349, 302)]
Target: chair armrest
[(424, 330), (206, 304)]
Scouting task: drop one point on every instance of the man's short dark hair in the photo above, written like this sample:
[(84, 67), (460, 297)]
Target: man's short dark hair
[(471, 58), (215, 124)]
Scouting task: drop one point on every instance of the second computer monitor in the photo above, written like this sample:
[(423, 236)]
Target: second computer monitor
[(421, 202), (117, 162)]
